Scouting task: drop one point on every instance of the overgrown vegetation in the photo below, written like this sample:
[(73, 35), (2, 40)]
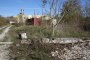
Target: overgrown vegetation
[(73, 23), (33, 51), (38, 32), (3, 21)]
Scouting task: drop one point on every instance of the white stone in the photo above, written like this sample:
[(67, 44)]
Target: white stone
[(23, 36)]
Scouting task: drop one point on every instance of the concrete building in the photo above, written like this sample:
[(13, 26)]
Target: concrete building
[(32, 19)]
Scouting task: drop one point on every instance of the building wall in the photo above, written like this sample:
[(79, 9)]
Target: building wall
[(37, 21)]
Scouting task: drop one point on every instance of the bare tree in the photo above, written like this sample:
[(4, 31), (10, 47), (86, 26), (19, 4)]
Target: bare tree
[(72, 10), (87, 8), (53, 11), (52, 8)]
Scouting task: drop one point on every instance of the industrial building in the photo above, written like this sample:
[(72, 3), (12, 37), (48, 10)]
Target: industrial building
[(35, 20)]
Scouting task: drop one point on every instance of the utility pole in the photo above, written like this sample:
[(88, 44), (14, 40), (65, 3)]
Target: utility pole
[(34, 12), (54, 22)]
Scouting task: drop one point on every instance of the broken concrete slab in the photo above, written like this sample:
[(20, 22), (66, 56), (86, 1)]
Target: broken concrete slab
[(62, 40)]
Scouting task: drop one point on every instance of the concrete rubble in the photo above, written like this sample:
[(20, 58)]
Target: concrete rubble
[(62, 40), (69, 48), (73, 52)]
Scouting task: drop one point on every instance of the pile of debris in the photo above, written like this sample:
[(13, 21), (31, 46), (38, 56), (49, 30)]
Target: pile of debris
[(62, 40), (77, 51)]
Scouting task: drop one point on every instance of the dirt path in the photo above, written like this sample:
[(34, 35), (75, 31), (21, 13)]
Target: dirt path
[(3, 34), (2, 27), (4, 51)]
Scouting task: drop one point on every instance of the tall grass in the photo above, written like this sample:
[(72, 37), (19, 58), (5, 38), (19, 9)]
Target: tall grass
[(33, 32)]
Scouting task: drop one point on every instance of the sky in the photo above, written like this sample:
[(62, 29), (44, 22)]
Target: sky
[(12, 7)]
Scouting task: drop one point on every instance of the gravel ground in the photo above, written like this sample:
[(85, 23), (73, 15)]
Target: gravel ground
[(4, 51), (79, 51)]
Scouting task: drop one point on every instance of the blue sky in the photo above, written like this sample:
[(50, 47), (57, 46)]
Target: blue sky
[(12, 7)]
